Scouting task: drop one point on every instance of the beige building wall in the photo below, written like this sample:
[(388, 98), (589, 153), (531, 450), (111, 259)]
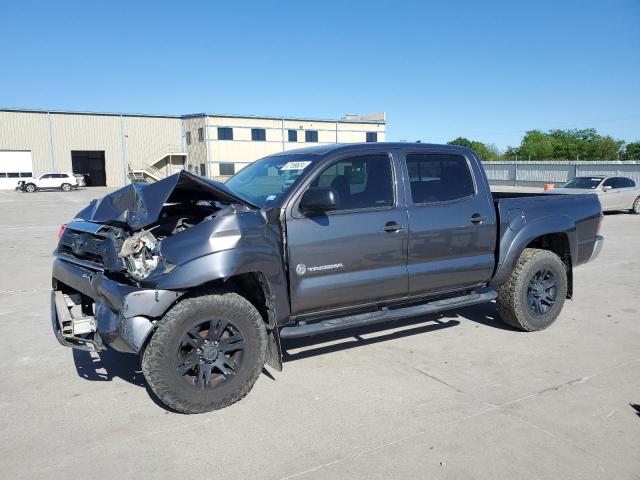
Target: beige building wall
[(52, 136), (27, 131), (242, 150), (136, 140)]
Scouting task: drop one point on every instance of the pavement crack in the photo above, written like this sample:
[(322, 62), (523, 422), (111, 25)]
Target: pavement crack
[(433, 377), (491, 408)]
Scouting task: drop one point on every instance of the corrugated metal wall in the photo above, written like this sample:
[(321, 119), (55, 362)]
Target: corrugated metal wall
[(51, 137), (537, 173)]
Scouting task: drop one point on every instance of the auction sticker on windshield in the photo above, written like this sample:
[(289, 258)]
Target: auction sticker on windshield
[(295, 166)]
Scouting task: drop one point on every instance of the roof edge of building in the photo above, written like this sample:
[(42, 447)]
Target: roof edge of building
[(192, 115)]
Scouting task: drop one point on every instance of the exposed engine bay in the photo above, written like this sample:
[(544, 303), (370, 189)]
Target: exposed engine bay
[(122, 233)]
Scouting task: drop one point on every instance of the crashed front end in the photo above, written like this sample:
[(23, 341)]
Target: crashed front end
[(118, 264)]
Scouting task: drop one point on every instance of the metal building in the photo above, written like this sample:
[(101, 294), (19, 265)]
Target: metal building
[(112, 148)]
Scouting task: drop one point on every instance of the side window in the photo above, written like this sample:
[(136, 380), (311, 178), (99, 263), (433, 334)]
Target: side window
[(439, 177), (609, 182), (626, 183), (46, 175), (361, 182)]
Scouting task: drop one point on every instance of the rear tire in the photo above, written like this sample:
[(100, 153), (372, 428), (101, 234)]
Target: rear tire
[(635, 209), (190, 367), (533, 296), (30, 188), (65, 187)]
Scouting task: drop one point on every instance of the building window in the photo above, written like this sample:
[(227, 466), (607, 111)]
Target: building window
[(225, 133), (227, 169), (203, 169), (258, 134), (372, 137), (188, 137), (311, 136), (293, 135), (201, 134)]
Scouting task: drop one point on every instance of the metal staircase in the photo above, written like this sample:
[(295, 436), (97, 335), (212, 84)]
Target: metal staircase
[(142, 171)]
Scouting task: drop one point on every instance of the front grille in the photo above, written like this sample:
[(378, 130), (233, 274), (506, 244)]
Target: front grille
[(99, 249)]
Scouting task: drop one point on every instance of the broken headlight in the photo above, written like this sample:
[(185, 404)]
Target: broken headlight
[(138, 254)]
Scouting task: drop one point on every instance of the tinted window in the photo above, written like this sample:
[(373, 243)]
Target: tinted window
[(201, 134), (258, 135), (583, 182), (188, 137), (311, 136), (227, 169), (47, 175), (439, 177), (614, 182), (13, 175), (626, 182), (361, 182), (293, 135), (372, 136), (225, 133)]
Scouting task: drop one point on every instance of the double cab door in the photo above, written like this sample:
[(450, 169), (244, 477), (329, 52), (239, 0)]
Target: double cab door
[(409, 224), (357, 254)]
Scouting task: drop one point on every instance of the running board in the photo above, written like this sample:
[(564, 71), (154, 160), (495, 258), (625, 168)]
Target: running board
[(304, 329)]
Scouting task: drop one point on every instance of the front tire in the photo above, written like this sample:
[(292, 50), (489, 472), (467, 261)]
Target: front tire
[(533, 296), (65, 187), (207, 352)]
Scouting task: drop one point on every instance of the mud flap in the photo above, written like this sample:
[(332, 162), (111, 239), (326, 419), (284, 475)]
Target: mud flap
[(274, 352)]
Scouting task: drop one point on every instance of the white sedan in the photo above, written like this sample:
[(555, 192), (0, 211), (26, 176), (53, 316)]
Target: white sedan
[(49, 181), (615, 193)]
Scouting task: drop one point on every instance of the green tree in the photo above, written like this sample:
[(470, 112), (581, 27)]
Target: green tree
[(487, 152), (581, 144), (632, 151)]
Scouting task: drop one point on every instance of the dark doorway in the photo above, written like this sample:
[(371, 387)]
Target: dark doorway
[(90, 163)]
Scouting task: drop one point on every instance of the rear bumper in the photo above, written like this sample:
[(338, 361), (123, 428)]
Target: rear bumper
[(92, 312)]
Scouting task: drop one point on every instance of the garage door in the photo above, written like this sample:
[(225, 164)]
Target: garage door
[(90, 163), (14, 164)]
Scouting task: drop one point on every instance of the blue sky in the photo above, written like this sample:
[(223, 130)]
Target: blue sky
[(486, 70)]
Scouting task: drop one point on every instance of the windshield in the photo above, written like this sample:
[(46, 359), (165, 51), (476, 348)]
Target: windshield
[(583, 182), (265, 181)]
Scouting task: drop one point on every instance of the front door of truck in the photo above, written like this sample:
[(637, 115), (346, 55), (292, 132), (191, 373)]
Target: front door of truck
[(357, 254), (452, 229)]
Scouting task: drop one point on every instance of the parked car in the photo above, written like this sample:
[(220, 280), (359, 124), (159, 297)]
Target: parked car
[(82, 179), (615, 193), (204, 279), (49, 181)]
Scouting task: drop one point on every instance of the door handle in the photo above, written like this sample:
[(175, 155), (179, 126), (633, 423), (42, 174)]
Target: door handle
[(477, 218), (392, 227)]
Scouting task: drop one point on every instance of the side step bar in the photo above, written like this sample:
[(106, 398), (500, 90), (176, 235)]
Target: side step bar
[(304, 329)]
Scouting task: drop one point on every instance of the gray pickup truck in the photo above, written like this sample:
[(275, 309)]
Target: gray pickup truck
[(204, 280)]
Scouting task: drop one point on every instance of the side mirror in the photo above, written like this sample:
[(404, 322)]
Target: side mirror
[(606, 187), (320, 199)]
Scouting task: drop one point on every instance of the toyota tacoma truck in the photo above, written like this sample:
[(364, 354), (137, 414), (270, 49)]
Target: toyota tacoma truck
[(204, 280)]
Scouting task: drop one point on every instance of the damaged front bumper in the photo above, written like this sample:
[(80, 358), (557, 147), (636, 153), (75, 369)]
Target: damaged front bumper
[(92, 312)]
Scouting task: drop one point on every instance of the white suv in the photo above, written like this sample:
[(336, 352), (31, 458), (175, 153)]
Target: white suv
[(59, 181)]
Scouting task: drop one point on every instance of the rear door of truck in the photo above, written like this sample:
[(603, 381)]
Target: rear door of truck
[(452, 222)]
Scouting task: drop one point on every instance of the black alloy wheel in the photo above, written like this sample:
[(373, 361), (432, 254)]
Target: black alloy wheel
[(542, 292), (210, 353)]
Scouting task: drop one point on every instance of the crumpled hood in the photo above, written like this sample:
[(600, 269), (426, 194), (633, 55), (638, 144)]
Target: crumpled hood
[(139, 204)]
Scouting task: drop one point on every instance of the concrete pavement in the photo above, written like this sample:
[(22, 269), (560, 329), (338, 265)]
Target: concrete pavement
[(444, 396)]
